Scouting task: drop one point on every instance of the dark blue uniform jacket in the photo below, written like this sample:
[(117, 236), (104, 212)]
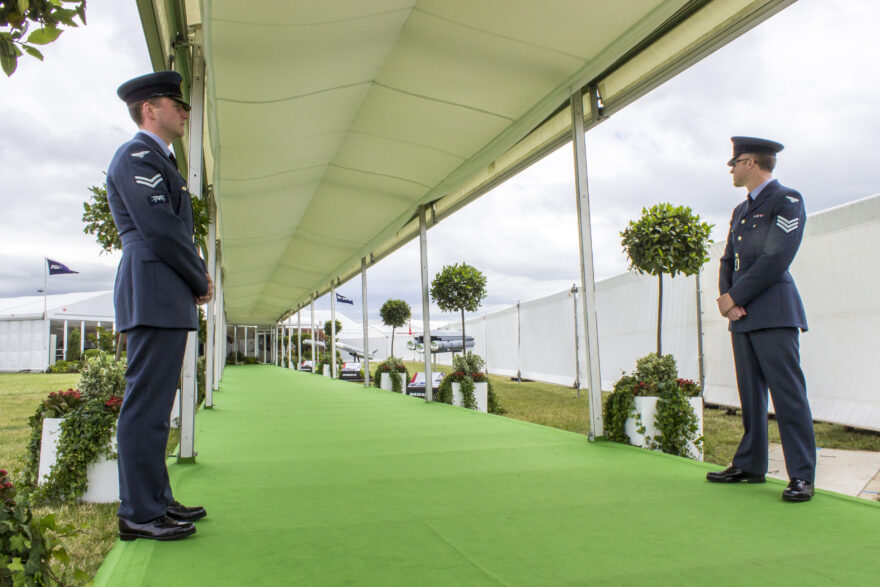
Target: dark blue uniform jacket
[(161, 271), (764, 237)]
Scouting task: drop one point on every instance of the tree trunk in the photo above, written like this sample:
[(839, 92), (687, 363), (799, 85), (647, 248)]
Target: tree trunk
[(463, 350), (392, 341), (659, 315), (118, 345)]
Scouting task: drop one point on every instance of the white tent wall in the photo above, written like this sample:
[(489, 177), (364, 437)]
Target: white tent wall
[(837, 282), (535, 338), (21, 345)]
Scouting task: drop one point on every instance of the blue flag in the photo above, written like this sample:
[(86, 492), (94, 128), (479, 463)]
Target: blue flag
[(56, 268), (343, 300)]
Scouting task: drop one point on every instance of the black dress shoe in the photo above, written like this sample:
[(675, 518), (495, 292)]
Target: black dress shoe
[(163, 528), (178, 511), (733, 474), (798, 490)]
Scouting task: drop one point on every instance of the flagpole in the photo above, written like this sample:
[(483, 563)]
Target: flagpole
[(45, 285)]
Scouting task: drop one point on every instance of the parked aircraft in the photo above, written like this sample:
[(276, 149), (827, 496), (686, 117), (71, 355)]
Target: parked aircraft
[(442, 341), (340, 346)]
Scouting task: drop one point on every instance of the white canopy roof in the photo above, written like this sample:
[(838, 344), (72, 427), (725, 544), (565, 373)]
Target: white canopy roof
[(329, 123), (90, 305)]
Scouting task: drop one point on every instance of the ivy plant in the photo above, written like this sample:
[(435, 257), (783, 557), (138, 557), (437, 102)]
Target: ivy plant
[(667, 240)]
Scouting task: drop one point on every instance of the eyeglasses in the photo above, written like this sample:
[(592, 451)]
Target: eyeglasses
[(735, 161)]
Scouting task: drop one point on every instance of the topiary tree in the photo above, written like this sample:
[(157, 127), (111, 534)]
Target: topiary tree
[(394, 313), (328, 328), (669, 240), (458, 288)]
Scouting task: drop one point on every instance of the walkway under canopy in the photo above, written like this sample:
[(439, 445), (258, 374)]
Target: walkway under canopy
[(318, 482)]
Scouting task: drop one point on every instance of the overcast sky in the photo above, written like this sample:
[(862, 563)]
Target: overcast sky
[(808, 77)]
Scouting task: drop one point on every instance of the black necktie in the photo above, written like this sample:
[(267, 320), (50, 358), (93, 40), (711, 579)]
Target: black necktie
[(173, 159)]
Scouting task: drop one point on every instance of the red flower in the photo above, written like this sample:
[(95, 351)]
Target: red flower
[(114, 404), (3, 473)]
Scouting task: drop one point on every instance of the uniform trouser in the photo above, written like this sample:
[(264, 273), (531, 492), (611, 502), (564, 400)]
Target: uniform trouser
[(771, 358), (155, 356)]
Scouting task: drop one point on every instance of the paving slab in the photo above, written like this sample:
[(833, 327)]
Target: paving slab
[(850, 472)]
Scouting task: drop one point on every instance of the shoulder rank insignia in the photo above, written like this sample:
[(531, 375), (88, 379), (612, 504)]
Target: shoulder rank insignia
[(139, 154), (157, 199), (786, 225), (792, 200), (148, 181)]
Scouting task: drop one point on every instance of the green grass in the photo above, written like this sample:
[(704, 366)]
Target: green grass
[(20, 395)]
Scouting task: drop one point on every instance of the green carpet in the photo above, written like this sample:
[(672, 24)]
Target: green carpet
[(309, 481)]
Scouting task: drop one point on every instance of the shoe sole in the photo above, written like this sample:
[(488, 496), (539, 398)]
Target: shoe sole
[(797, 499), (190, 519), (746, 479), (128, 537)]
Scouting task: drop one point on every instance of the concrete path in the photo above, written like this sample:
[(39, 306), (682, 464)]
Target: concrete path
[(850, 472)]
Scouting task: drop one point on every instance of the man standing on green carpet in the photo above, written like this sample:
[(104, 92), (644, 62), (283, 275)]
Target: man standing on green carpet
[(761, 301), (160, 280)]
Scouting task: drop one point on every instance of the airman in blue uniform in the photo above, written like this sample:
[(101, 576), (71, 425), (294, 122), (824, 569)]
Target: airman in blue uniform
[(759, 297), (160, 280)]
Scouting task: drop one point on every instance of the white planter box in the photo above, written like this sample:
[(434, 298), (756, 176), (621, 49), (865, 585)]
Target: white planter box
[(103, 475), (646, 407), (457, 396), (326, 370), (481, 395), (385, 382)]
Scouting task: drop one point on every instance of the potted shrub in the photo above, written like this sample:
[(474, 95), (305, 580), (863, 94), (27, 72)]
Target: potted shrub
[(654, 408), (468, 386), (84, 465), (385, 379)]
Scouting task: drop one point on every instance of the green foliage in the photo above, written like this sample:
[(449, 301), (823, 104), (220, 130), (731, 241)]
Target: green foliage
[(73, 339), (653, 369), (461, 288), (86, 431), (31, 552), (16, 18), (394, 313), (618, 408), (57, 405), (328, 325), (675, 420), (324, 359), (99, 222), (458, 287), (667, 240), (389, 365), (103, 339), (64, 367)]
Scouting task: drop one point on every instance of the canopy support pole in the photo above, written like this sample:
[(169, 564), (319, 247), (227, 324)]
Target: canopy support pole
[(426, 305), (209, 311), (314, 338), (219, 324), (366, 322), (299, 346), (332, 331), (588, 280), (188, 393)]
